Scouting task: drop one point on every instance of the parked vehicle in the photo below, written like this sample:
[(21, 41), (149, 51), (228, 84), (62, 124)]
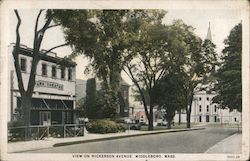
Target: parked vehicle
[(134, 126)]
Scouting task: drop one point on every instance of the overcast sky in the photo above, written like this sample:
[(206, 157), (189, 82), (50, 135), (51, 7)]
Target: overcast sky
[(222, 21)]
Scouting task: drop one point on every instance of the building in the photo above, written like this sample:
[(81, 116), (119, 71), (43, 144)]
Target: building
[(204, 111), (53, 100), (123, 95), (80, 89)]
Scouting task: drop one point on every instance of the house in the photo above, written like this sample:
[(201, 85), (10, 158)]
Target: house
[(53, 100)]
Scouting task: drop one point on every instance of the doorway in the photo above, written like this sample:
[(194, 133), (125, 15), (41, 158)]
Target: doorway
[(45, 118)]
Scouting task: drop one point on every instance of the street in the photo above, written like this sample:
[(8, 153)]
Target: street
[(197, 141)]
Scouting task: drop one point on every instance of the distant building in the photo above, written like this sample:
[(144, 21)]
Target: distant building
[(80, 89), (123, 95), (204, 111), (53, 100)]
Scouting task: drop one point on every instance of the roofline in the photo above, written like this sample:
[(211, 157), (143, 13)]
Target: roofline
[(28, 52)]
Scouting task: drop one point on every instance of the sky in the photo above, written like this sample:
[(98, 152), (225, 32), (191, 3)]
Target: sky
[(222, 21)]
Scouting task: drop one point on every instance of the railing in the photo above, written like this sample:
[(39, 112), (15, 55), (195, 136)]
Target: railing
[(38, 132)]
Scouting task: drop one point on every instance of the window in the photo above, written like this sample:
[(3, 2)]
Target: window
[(200, 108), (235, 119), (207, 98), (44, 69), (207, 108), (62, 72), (207, 118), (200, 98), (215, 118), (215, 108), (23, 64), (53, 71), (69, 74), (200, 119)]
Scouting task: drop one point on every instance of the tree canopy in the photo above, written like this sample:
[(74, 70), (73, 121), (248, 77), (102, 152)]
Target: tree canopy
[(228, 84)]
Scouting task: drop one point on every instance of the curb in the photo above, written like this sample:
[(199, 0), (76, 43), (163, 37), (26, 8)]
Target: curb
[(125, 136)]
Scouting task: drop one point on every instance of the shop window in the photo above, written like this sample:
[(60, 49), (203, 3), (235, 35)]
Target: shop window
[(53, 71), (69, 74), (44, 69), (62, 72), (23, 64)]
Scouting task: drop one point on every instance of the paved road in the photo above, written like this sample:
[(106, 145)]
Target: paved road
[(197, 141)]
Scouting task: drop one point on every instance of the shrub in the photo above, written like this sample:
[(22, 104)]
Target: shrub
[(104, 126), (16, 131)]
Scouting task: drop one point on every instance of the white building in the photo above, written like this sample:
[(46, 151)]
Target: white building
[(53, 100), (204, 111)]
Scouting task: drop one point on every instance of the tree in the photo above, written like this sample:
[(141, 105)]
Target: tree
[(187, 60), (90, 103), (169, 95), (228, 84), (102, 36), (147, 66), (210, 61), (26, 94)]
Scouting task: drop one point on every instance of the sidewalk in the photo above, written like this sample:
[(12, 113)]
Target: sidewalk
[(231, 144), (50, 142)]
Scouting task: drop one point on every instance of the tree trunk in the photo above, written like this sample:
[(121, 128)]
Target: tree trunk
[(151, 119), (179, 112), (189, 109), (26, 111), (169, 123), (188, 119)]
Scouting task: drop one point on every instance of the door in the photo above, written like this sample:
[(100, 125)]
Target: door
[(45, 118), (207, 118), (200, 119)]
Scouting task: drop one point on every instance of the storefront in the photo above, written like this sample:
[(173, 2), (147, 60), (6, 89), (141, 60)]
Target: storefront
[(53, 99)]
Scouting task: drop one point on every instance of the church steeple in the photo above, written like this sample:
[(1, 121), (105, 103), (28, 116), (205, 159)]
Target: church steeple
[(209, 35)]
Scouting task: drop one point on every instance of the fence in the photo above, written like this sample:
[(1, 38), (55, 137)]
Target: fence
[(38, 132)]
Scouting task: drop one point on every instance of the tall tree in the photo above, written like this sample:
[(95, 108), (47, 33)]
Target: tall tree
[(102, 36), (228, 84), (148, 67), (91, 97), (187, 60), (26, 94)]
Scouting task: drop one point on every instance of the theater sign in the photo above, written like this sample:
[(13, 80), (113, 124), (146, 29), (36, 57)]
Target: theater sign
[(47, 84)]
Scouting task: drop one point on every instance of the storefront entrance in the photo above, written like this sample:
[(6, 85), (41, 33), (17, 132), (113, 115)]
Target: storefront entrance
[(45, 118)]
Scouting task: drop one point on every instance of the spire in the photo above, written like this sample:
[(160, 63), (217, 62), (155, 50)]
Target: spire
[(209, 35)]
